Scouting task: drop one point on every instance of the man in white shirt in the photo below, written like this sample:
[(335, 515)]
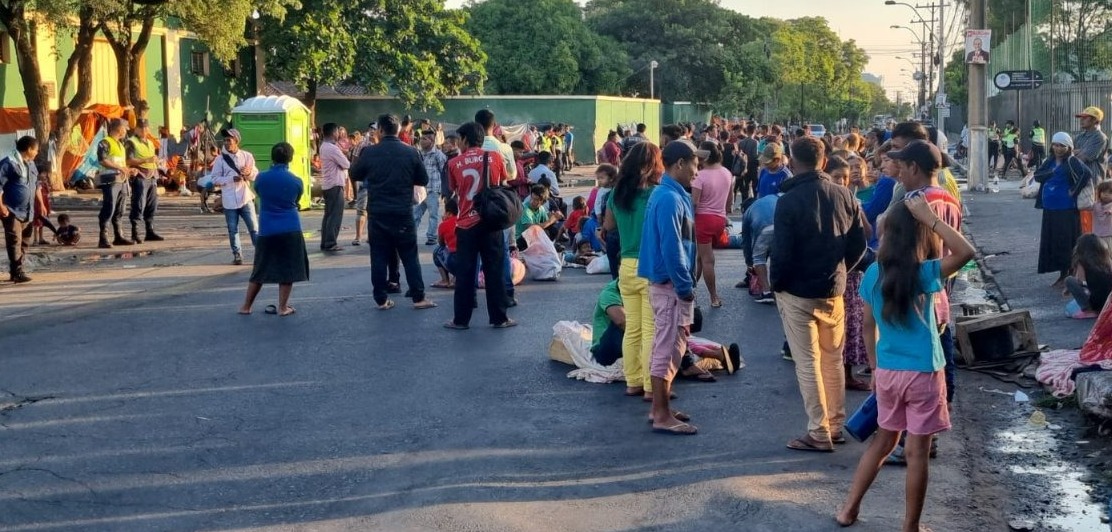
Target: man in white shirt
[(233, 171), (336, 187), (542, 170)]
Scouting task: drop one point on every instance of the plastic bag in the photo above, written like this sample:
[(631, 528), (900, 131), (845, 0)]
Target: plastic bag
[(517, 276), (599, 265), (1094, 393), (1028, 188), (573, 339), (541, 258)]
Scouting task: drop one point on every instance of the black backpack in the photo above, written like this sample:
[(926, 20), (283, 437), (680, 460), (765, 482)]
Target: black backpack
[(499, 207)]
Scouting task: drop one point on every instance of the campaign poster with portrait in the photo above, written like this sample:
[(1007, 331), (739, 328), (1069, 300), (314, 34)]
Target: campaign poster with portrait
[(976, 46)]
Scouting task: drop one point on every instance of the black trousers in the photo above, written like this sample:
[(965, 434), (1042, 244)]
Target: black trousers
[(394, 237), (471, 244), (609, 348), (1012, 154), (1038, 153), (144, 200), (614, 252), (112, 202), (17, 238), (333, 217)]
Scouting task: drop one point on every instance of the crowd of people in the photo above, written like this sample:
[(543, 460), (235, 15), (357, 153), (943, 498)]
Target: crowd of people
[(854, 238)]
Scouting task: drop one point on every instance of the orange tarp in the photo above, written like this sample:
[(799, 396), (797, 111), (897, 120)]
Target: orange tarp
[(16, 119)]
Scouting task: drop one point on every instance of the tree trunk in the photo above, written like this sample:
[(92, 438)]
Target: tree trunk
[(82, 60), (23, 34), (123, 74), (310, 101)]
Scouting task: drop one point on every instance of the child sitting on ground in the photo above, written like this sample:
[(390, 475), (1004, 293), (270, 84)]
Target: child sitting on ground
[(1091, 281), (575, 218), (67, 234), (443, 255)]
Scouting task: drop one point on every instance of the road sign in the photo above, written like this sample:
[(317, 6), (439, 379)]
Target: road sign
[(1013, 80)]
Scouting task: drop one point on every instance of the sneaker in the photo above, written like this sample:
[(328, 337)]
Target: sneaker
[(356, 243), (237, 259), (430, 242), (20, 277), (766, 298), (511, 303), (393, 288), (786, 352)]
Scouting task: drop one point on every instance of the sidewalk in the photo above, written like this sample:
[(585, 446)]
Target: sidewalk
[(1052, 477)]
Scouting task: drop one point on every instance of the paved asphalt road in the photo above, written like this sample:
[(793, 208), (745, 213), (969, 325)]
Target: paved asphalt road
[(164, 410)]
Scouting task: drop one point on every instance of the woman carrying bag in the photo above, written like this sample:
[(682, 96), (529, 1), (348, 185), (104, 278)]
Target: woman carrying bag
[(1065, 189)]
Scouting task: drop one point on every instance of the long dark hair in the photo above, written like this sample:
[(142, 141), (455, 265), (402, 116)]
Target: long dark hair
[(643, 159), (1091, 253), (905, 244)]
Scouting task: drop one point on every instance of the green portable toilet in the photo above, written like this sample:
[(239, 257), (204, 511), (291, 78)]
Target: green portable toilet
[(264, 121)]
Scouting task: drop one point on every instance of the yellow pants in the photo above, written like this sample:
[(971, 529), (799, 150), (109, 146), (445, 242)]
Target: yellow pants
[(637, 343)]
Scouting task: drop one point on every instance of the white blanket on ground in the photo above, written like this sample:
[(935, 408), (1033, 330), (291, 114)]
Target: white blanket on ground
[(1056, 370), (576, 337)]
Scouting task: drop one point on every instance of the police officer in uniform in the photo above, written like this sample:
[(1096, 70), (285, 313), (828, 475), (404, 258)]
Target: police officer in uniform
[(1038, 145), (143, 159), (112, 180)]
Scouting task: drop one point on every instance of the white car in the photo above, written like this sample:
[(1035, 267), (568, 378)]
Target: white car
[(817, 130)]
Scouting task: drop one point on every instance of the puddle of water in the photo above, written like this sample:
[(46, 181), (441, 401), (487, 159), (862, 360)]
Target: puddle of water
[(1071, 507)]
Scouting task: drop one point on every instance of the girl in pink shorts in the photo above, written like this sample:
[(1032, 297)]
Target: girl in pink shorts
[(906, 356)]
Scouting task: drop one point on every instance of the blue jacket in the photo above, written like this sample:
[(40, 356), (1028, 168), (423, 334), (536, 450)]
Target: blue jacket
[(18, 182), (882, 197), (761, 214), (668, 238)]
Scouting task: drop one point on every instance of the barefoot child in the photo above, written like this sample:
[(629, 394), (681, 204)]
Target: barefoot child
[(444, 252), (906, 359), (67, 234)]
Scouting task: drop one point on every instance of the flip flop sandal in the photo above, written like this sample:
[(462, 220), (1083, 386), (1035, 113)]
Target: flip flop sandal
[(456, 326), (682, 429), (422, 305), (389, 304), (838, 439), (716, 304), (289, 313), (678, 415), (505, 325), (805, 443), (271, 309), (440, 284)]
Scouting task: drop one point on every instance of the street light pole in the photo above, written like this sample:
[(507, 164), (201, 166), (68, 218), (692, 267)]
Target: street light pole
[(978, 134), (652, 89)]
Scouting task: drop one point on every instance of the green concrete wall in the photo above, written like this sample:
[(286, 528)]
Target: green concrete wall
[(672, 113), (592, 117), (612, 112)]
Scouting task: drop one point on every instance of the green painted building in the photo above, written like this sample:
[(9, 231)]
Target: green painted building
[(181, 80)]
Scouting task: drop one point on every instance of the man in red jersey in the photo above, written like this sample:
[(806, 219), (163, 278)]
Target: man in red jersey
[(468, 175)]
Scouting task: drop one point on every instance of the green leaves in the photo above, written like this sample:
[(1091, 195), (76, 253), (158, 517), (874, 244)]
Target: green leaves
[(414, 48), (544, 47)]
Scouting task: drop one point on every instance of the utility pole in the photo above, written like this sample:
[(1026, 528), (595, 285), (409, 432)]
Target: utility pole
[(941, 122), (978, 135)]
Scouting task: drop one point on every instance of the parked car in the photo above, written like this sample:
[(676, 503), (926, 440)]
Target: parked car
[(817, 130)]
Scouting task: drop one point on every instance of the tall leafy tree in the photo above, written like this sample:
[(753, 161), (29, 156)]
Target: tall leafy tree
[(127, 26), (544, 47), (23, 20), (694, 41), (413, 48)]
